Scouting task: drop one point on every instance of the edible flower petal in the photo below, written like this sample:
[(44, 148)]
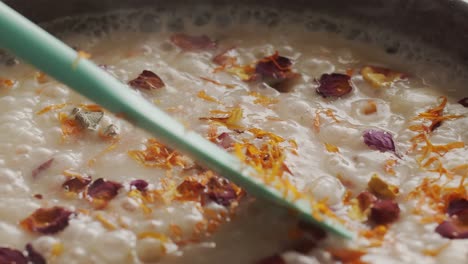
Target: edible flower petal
[(193, 43), (334, 85), (366, 199), (459, 208), (379, 139), (47, 220), (44, 166), (190, 190), (34, 256), (225, 140), (12, 256), (147, 80), (76, 184), (139, 184), (360, 206), (382, 189), (221, 191), (275, 70), (102, 192), (246, 73), (378, 76), (451, 230), (158, 155), (384, 212)]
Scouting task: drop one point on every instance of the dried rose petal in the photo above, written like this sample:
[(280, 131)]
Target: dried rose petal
[(190, 190), (33, 256), (464, 102), (103, 190), (276, 67), (384, 212), (44, 166), (147, 80), (47, 220), (193, 43), (366, 199), (76, 184), (221, 191), (140, 185), (459, 208), (225, 140), (12, 256), (379, 139), (276, 71), (334, 85), (275, 259), (449, 229)]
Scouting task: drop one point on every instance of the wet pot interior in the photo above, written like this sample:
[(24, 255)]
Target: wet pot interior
[(438, 23)]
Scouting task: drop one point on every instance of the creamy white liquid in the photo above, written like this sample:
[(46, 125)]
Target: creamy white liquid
[(258, 229)]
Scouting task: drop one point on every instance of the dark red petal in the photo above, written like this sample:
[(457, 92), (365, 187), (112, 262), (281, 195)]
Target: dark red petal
[(147, 80), (12, 256), (366, 199), (33, 256), (449, 229), (379, 139), (274, 67), (276, 71), (193, 43), (47, 220), (103, 190), (275, 259), (384, 212), (221, 191), (44, 166), (76, 184), (464, 102), (225, 140), (140, 185), (334, 85), (459, 208)]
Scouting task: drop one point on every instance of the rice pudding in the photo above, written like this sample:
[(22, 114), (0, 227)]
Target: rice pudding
[(378, 145)]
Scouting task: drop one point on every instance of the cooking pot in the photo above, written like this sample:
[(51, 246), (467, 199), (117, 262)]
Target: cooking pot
[(438, 23)]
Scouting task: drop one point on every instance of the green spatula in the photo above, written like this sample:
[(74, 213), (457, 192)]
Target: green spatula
[(50, 55)]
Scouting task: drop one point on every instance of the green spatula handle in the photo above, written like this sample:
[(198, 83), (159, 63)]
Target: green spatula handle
[(36, 46)]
